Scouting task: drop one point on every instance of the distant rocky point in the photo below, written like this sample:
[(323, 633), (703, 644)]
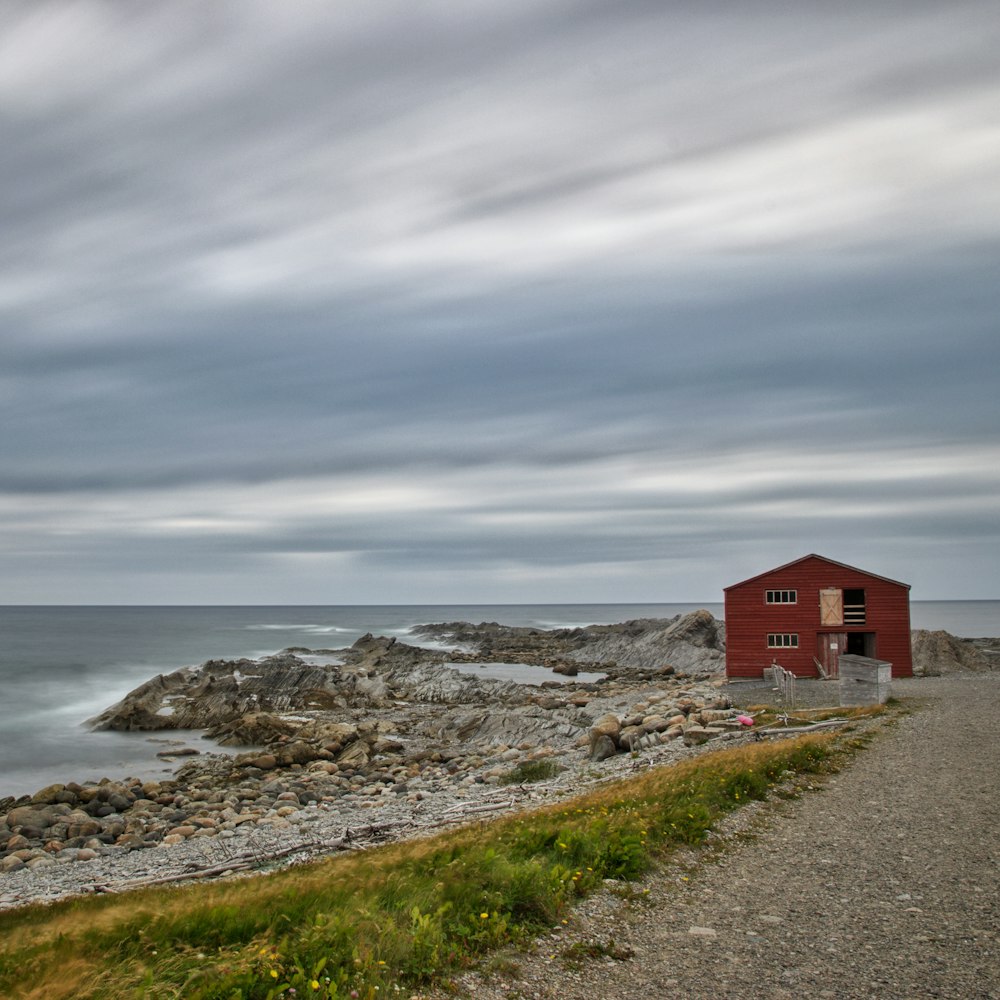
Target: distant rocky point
[(378, 672), (694, 642)]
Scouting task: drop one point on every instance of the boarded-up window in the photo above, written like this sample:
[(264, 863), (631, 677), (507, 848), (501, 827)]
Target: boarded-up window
[(831, 607), (854, 607)]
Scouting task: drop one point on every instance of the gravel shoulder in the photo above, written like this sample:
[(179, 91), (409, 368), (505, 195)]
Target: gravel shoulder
[(884, 882)]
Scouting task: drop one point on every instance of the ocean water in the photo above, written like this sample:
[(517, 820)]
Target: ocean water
[(59, 666)]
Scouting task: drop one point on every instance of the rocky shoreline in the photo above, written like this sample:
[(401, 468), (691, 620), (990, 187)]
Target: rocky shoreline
[(337, 749)]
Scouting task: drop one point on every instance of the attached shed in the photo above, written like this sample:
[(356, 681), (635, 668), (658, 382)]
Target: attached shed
[(804, 614)]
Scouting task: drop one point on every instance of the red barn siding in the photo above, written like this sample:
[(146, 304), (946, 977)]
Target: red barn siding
[(749, 619)]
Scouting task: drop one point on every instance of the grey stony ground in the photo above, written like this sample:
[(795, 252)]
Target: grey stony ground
[(885, 882), (292, 826)]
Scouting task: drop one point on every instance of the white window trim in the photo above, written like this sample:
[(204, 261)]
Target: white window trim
[(782, 640), (789, 596)]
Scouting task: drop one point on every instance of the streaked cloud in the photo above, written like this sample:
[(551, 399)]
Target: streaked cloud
[(533, 301)]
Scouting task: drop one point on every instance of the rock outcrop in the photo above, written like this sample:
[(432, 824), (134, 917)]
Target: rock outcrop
[(221, 691), (694, 643), (236, 697), (936, 653)]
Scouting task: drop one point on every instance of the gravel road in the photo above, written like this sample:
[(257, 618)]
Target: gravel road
[(885, 882)]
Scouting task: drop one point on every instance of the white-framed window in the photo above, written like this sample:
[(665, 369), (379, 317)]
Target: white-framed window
[(781, 596), (782, 640)]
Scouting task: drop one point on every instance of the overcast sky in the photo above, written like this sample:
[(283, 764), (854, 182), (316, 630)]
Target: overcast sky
[(542, 300)]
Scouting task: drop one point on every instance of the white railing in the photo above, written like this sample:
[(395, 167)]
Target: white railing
[(784, 681)]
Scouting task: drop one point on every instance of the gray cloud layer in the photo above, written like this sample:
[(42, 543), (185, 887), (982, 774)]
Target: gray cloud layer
[(505, 302)]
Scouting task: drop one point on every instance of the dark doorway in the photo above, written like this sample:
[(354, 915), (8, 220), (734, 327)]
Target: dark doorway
[(861, 644)]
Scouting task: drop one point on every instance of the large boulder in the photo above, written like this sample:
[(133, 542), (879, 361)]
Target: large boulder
[(696, 735), (49, 795), (356, 755), (254, 729), (604, 732), (602, 748), (330, 734), (31, 817)]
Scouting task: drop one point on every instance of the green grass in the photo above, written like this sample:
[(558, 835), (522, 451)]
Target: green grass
[(583, 951), (403, 915), (530, 770)]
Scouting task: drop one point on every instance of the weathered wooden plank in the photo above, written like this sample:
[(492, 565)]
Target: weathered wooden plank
[(864, 681)]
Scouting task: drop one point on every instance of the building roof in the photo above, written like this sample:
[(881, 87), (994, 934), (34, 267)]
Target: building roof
[(813, 555)]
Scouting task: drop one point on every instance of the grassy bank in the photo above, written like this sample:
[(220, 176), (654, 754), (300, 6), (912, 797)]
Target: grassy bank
[(369, 924)]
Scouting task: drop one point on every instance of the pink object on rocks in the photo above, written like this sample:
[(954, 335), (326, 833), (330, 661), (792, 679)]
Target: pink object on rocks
[(745, 719)]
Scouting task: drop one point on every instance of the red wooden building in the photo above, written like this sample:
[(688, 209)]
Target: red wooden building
[(808, 612)]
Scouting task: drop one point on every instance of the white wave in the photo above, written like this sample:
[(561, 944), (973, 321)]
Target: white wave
[(311, 629), (444, 644), (319, 660), (74, 713)]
